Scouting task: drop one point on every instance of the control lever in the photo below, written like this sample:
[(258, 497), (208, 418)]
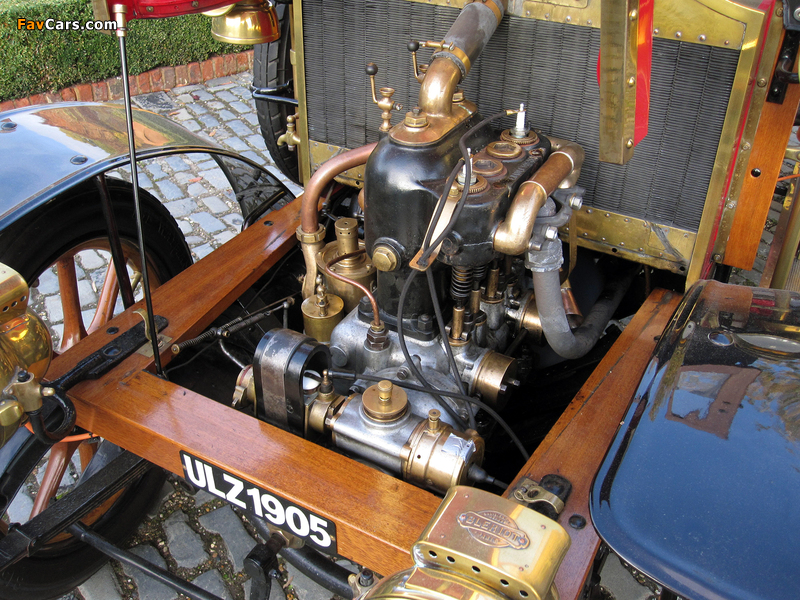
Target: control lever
[(415, 45), (386, 104)]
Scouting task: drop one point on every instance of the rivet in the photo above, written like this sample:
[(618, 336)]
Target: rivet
[(701, 37), (149, 9), (622, 243), (588, 21), (717, 258), (577, 521), (629, 143), (568, 19), (633, 14), (627, 220), (641, 249), (656, 31), (608, 215), (678, 34), (604, 239), (631, 81), (761, 82), (547, 16), (527, 13), (727, 42), (779, 11)]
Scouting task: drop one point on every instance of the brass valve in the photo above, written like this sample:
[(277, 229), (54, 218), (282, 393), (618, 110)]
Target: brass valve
[(414, 45), (290, 138), (385, 103)]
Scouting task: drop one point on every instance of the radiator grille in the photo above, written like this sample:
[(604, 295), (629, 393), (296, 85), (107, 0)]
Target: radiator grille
[(553, 69)]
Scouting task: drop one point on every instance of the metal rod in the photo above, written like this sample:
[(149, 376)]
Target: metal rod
[(117, 256), (120, 11), (99, 543)]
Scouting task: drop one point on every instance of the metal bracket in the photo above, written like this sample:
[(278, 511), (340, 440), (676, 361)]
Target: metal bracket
[(784, 70), (109, 356), (281, 94), (547, 497), (791, 12)]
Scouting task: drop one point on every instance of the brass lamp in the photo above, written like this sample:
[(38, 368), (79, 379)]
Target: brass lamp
[(247, 22)]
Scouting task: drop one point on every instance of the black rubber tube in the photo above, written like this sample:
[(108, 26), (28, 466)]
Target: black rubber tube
[(565, 342), (312, 564)]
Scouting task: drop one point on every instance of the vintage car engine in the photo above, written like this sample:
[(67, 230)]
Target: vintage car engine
[(456, 215)]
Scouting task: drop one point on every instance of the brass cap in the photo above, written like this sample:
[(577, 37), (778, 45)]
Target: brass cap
[(384, 258), (384, 401)]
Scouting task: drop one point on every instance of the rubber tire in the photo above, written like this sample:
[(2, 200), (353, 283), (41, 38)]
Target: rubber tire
[(30, 246), (272, 67)]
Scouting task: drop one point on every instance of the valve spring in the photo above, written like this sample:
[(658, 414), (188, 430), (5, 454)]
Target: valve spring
[(478, 274), (461, 284)]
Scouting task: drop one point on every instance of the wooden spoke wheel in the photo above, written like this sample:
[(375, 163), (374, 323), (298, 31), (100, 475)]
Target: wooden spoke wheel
[(33, 474)]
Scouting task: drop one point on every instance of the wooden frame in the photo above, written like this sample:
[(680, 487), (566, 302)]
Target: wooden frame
[(377, 517)]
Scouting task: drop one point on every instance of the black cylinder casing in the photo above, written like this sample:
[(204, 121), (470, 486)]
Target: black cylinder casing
[(401, 187)]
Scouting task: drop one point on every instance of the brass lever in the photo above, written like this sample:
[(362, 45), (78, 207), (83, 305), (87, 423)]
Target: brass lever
[(385, 103), (414, 45)]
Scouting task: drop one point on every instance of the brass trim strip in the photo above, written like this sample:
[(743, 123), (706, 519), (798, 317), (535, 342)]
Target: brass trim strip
[(321, 152), (640, 240), (706, 22), (299, 68), (619, 44), (730, 148), (762, 78)]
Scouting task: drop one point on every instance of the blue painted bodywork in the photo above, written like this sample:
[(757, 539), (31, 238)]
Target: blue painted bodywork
[(701, 487)]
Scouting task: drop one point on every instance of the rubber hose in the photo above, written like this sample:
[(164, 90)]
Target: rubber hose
[(565, 342)]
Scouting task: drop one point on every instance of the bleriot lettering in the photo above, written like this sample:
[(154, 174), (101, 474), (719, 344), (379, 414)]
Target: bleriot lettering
[(494, 529)]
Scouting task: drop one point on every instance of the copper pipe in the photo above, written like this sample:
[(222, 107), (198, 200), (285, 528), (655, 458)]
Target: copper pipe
[(323, 176), (514, 233), (376, 313)]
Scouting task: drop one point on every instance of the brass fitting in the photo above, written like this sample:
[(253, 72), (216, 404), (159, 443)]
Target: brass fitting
[(358, 269), (384, 258), (416, 118), (384, 401), (321, 313), (290, 138)]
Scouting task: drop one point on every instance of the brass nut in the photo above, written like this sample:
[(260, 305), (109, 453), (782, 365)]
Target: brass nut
[(310, 238), (384, 258), (416, 119)]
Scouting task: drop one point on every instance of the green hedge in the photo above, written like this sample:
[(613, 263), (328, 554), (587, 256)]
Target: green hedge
[(33, 62)]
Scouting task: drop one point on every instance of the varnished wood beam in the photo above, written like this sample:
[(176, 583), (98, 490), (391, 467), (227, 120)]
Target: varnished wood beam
[(576, 445)]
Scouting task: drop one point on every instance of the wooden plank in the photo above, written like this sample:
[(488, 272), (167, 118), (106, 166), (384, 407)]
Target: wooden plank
[(576, 445), (377, 516), (763, 170), (198, 295)]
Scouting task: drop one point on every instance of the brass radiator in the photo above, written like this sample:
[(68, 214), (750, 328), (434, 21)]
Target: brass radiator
[(649, 209)]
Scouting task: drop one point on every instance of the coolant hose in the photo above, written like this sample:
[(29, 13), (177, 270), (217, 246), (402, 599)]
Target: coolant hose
[(556, 329)]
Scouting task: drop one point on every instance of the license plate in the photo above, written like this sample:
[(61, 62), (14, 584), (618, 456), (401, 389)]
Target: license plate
[(294, 519)]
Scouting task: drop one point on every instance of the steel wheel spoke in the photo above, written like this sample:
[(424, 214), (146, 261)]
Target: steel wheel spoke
[(74, 330)]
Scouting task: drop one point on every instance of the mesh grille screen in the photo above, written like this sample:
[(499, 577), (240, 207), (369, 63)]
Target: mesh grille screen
[(553, 69)]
